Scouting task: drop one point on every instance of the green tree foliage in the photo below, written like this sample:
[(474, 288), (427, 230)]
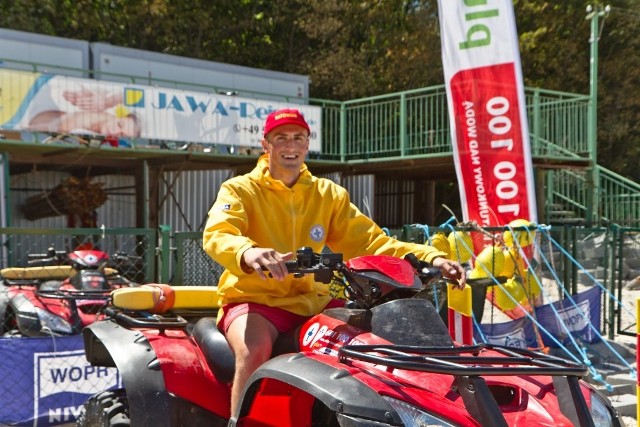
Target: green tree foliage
[(355, 48), (619, 90)]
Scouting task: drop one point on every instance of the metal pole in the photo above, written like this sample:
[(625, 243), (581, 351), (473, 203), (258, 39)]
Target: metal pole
[(593, 208)]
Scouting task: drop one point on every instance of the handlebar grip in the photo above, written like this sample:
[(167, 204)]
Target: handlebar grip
[(413, 260), (292, 265), (429, 275)]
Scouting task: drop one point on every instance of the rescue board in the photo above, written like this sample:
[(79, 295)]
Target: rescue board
[(159, 298), (39, 273)]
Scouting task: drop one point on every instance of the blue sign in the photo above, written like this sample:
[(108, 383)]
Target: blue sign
[(45, 381), (578, 317)]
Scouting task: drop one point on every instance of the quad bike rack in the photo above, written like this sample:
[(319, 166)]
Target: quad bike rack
[(169, 320), (479, 398), (148, 320), (71, 297)]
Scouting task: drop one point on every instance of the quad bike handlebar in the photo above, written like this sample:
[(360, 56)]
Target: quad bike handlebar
[(52, 257), (364, 288), (324, 265), (321, 265), (424, 270), (117, 262)]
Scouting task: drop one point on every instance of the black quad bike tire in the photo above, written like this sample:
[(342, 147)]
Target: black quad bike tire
[(106, 409)]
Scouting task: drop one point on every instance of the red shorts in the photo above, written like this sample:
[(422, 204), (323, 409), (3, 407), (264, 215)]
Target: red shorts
[(283, 320)]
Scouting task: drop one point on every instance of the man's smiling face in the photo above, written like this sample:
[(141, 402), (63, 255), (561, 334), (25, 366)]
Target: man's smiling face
[(287, 147)]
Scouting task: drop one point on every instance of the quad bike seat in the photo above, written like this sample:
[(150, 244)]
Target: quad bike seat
[(215, 348), (218, 354)]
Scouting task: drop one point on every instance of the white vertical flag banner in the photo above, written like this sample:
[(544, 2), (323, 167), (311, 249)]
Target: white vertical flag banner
[(485, 94)]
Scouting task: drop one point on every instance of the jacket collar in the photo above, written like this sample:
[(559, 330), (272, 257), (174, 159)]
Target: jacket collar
[(262, 174)]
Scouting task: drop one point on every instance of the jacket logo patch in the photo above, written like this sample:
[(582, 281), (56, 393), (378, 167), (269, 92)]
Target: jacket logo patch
[(317, 233)]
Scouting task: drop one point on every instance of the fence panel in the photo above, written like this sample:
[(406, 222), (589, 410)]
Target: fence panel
[(627, 268), (18, 243), (566, 260), (34, 306), (573, 259), (193, 265)]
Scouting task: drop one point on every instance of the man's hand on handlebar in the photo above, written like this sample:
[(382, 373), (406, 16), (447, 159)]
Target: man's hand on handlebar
[(452, 271), (259, 260)]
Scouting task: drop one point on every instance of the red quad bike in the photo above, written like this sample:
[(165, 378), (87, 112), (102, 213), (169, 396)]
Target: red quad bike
[(58, 293), (386, 360)]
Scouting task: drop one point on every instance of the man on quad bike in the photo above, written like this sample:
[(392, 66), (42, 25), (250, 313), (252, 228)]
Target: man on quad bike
[(256, 224)]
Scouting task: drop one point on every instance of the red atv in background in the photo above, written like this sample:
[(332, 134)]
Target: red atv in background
[(386, 359), (58, 293)]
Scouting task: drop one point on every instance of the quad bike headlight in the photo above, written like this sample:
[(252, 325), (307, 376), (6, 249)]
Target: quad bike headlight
[(600, 412), (53, 323), (413, 416)]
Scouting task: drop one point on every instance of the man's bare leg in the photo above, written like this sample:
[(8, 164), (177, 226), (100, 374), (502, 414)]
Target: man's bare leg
[(251, 338)]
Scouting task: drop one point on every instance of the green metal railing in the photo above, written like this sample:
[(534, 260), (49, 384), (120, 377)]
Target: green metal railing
[(416, 123), (558, 123), (619, 199), (567, 192)]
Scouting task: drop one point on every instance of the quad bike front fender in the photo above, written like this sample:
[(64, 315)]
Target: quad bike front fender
[(336, 388), (108, 344), (26, 316)]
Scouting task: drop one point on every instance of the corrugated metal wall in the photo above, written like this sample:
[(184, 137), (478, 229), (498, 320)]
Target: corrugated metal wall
[(120, 208), (189, 195), (362, 192), (186, 197)]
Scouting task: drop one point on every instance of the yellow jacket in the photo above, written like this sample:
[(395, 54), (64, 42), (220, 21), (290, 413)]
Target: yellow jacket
[(257, 210)]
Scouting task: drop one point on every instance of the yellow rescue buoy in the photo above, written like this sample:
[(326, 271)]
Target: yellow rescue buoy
[(523, 237), (489, 262), (461, 246), (510, 288)]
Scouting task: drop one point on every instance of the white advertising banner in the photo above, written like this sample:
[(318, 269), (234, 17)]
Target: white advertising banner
[(60, 104), (487, 112)]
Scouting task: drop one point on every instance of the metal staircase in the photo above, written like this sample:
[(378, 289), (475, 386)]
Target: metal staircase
[(618, 199)]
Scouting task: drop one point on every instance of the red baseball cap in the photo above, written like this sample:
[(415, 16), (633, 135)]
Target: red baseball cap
[(286, 116)]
